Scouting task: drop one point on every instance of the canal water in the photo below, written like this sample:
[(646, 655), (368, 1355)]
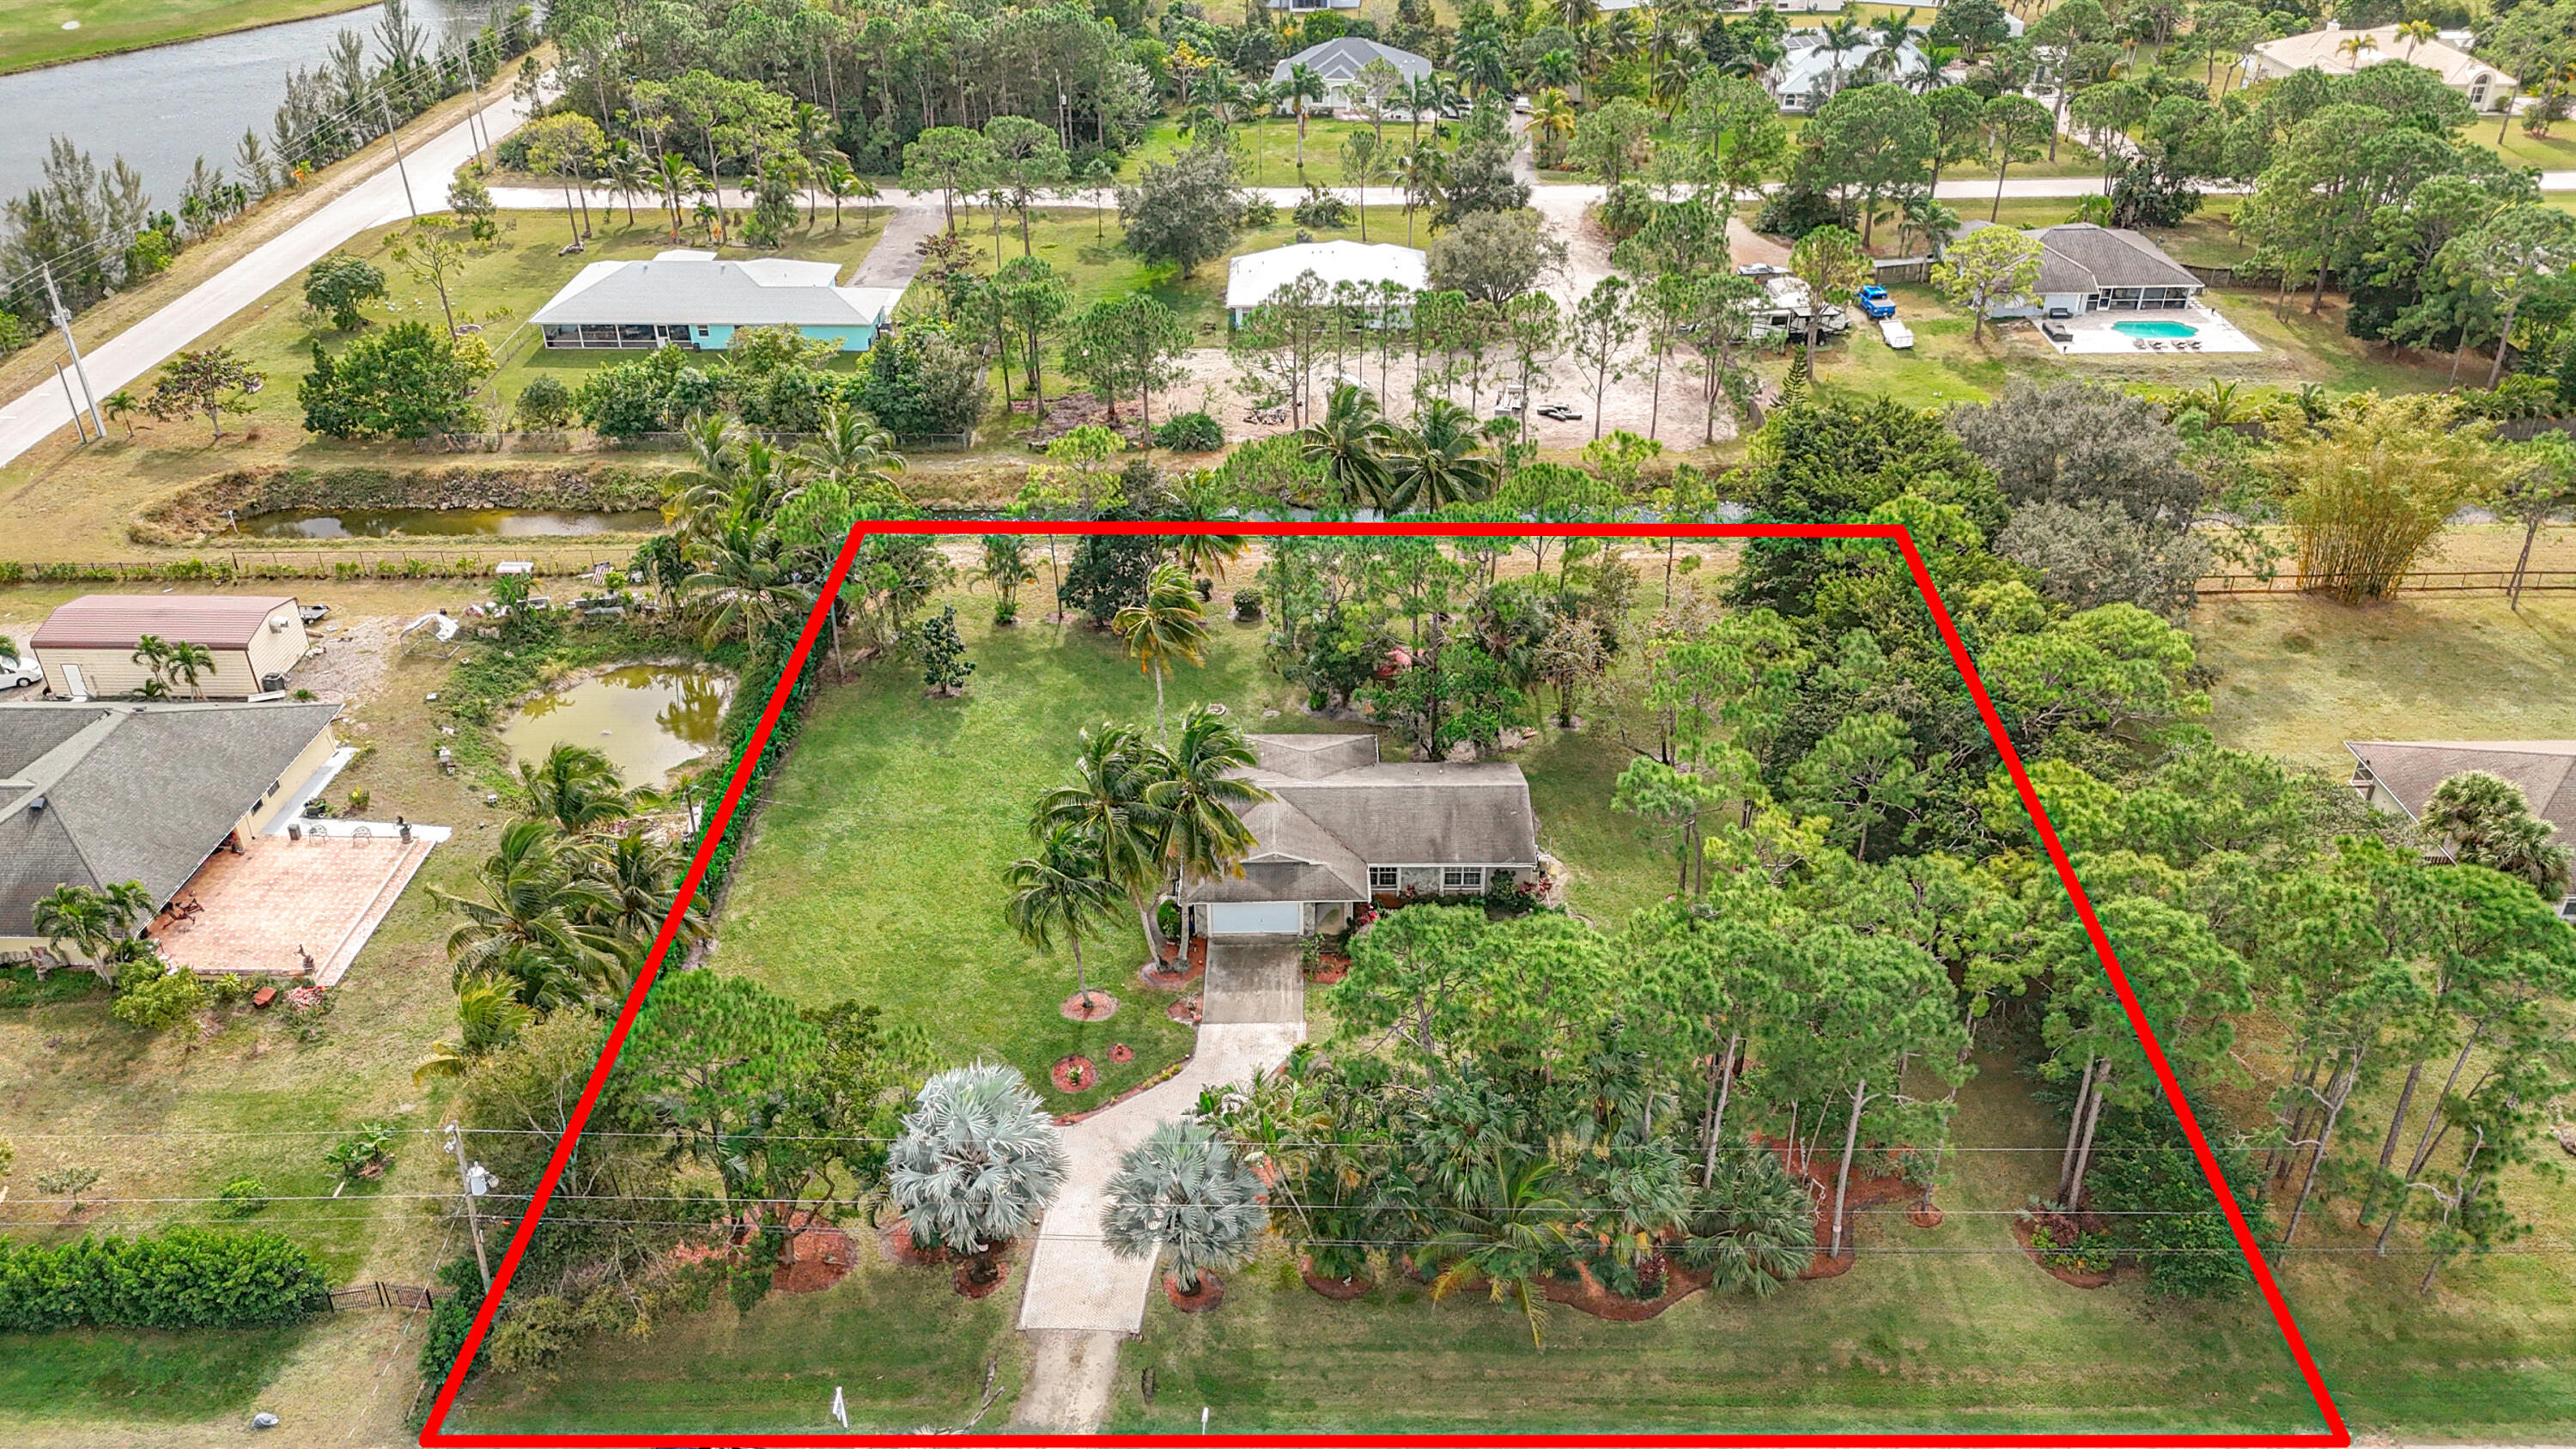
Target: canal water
[(446, 523), (648, 719), (164, 107)]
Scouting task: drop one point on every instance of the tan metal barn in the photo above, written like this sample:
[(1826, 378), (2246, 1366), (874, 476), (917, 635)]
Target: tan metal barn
[(87, 646)]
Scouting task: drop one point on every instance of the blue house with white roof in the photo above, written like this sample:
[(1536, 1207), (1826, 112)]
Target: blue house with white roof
[(696, 300)]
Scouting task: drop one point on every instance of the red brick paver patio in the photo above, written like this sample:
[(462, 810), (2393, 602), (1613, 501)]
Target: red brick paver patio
[(325, 896)]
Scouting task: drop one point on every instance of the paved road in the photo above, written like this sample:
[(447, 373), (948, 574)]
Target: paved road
[(377, 201)]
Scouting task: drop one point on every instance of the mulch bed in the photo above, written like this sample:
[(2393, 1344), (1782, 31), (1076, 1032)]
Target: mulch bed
[(1211, 1293), (1098, 1005), (1586, 1295), (1185, 1011), (1074, 1074), (2071, 1277), (965, 1281), (815, 1258), (1121, 1053), (1340, 1290), (1162, 973), (1861, 1194), (1329, 969), (895, 1241), (1924, 1215)]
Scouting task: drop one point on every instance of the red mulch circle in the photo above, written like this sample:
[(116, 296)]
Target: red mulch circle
[(1211, 1293), (1340, 1290), (895, 1240), (1166, 973), (1185, 1011), (1924, 1215), (964, 1280), (1098, 1006), (1861, 1193), (1588, 1296), (2071, 1277), (1121, 1053), (1330, 968), (815, 1259), (1074, 1074)]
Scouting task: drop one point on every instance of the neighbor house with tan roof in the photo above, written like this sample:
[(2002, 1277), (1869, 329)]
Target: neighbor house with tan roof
[(2337, 51), (87, 646), (2401, 775)]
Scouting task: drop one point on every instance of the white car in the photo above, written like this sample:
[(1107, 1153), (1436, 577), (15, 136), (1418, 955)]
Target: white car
[(15, 672)]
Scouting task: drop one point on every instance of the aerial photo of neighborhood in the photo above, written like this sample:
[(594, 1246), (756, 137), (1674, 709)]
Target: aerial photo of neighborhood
[(801, 722)]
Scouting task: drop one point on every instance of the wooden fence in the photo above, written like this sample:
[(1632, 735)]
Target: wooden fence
[(377, 1295), (2453, 581)]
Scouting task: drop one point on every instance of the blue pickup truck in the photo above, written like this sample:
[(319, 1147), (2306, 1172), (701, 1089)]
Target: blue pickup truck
[(1876, 303)]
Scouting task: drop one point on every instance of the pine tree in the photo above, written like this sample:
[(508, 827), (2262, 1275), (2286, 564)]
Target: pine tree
[(1793, 389), (944, 665)]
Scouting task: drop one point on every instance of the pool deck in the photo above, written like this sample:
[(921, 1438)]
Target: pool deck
[(2096, 333)]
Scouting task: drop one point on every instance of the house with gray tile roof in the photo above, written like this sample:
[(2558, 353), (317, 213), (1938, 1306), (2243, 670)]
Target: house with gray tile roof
[(1340, 61), (2087, 268), (694, 299), (1343, 828), (2401, 775), (99, 793)]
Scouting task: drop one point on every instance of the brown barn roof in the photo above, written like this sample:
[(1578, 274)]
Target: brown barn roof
[(115, 621)]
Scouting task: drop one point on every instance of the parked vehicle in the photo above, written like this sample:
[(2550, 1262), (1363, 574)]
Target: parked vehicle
[(15, 672), (1561, 413), (312, 614), (1898, 335), (1875, 302)]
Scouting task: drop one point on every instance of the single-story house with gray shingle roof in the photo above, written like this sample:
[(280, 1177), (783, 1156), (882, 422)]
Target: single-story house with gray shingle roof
[(2087, 268), (100, 793), (694, 299), (1339, 62), (2402, 775), (1344, 828)]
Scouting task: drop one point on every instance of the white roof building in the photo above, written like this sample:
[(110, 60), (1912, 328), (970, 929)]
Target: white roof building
[(693, 299), (1252, 278), (1339, 62), (1810, 74), (2487, 88)]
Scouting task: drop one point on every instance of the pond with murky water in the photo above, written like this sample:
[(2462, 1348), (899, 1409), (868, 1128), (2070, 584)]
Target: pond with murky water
[(448, 523), (648, 719)]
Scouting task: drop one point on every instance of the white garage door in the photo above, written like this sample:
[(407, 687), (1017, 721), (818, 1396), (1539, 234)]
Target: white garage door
[(1256, 918)]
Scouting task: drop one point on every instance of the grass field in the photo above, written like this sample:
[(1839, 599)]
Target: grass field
[(910, 1355), (32, 33), (2553, 152), (1268, 148)]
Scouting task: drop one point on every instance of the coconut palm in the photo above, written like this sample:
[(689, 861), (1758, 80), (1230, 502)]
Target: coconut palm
[(1059, 892), (851, 450), (575, 787), (2356, 45), (744, 586), (1203, 498), (1349, 440), (1505, 1220), (1167, 627), (526, 918), (95, 919), (1106, 806), (1552, 121), (1440, 460), (625, 171), (487, 1020), (1928, 222), (1199, 799), (640, 880), (1182, 1189), (1840, 37), (1304, 85), (978, 1159)]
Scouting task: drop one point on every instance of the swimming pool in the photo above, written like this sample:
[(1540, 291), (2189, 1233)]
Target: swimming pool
[(2154, 329)]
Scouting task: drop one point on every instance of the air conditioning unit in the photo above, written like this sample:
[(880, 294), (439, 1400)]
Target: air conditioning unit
[(277, 625), (272, 683)]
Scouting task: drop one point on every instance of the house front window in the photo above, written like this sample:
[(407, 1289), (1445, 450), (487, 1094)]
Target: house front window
[(1382, 878), (1462, 877)]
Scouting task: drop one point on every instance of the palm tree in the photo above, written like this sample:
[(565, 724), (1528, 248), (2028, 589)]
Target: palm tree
[(638, 879), (2415, 33), (526, 918), (1840, 37), (93, 919), (851, 450), (1349, 440), (1928, 222), (574, 787), (1552, 122), (840, 183), (1168, 626), (2356, 45), (487, 1020), (1106, 806), (1059, 892), (1440, 460), (1199, 800), (1203, 498), (122, 407), (745, 584), (1751, 1228), (1506, 1222), (1304, 84), (1182, 1189), (625, 171), (979, 1159)]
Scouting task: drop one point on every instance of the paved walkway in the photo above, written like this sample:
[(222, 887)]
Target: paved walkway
[(1081, 1299), (280, 899)]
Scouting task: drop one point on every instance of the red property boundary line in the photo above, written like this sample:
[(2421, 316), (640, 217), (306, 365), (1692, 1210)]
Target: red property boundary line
[(2336, 1435)]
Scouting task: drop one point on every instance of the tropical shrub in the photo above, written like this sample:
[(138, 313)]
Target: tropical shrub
[(179, 1278), (1190, 432)]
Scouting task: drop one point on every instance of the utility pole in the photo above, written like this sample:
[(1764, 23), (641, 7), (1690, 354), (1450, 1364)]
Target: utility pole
[(63, 320), (393, 133), (82, 428), (476, 1182)]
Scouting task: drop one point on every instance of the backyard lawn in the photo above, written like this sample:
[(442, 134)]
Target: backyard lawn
[(34, 33), (1268, 148)]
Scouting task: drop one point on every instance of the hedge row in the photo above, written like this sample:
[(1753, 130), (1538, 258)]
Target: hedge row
[(316, 565), (181, 1278)]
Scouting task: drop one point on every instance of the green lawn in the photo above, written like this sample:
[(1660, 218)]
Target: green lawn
[(2553, 152), (1268, 148), (909, 1354), (138, 1373), (32, 33), (1950, 1328)]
